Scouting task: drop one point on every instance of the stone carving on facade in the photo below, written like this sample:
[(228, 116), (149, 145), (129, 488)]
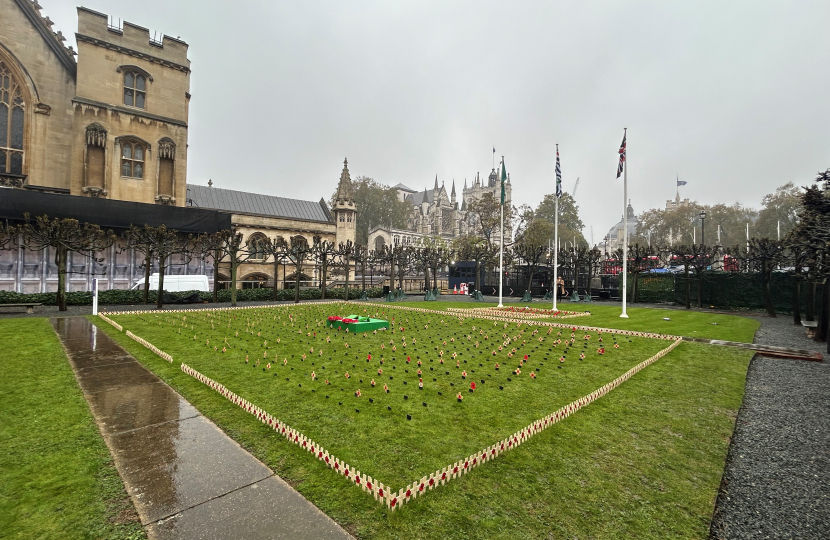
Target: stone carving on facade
[(96, 135), (166, 149), (42, 108), (12, 180)]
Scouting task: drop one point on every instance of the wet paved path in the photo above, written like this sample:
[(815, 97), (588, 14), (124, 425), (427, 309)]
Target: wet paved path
[(186, 478)]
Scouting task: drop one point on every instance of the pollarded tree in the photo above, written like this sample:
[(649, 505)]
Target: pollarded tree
[(164, 243), (345, 256), (324, 254), (7, 235), (297, 251), (591, 259), (478, 250), (137, 241), (65, 236), (213, 246), (531, 244)]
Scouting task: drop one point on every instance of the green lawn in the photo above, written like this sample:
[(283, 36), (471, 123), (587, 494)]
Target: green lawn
[(607, 315), (57, 479), (643, 462)]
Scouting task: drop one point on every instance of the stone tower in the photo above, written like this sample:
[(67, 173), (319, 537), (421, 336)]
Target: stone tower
[(345, 212)]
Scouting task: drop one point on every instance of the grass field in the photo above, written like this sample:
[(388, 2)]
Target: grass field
[(643, 462), (607, 315), (57, 479)]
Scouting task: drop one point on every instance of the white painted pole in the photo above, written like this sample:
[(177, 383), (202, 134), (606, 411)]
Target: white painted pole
[(556, 248), (623, 293), (694, 235), (718, 234), (501, 257), (95, 296), (779, 229)]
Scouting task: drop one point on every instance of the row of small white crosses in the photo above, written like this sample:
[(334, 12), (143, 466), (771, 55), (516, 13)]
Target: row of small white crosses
[(113, 323), (150, 346)]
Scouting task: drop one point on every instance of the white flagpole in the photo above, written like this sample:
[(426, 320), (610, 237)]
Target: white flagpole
[(624, 291), (555, 249), (501, 247)]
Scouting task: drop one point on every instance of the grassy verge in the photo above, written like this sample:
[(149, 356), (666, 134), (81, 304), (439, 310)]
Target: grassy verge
[(57, 478), (642, 462), (682, 323)]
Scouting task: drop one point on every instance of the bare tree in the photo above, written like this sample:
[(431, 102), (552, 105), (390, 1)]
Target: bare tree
[(137, 241), (65, 236), (531, 243), (163, 243), (479, 250), (7, 235), (297, 251), (213, 246), (345, 256), (324, 254)]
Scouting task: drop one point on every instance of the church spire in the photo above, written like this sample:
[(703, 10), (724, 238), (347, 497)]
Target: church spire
[(344, 188), (436, 183), (452, 195)]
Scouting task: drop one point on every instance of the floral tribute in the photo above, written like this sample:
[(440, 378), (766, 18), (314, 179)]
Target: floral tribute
[(531, 351)]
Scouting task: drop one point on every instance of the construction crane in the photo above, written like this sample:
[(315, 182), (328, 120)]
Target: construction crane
[(576, 185)]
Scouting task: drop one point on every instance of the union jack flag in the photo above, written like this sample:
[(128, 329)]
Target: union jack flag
[(622, 158), (558, 174)]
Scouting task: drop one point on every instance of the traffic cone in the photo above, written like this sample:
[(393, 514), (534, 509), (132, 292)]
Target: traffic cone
[(455, 289)]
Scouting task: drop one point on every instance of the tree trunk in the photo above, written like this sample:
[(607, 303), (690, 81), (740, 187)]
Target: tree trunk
[(346, 287), (688, 288), (363, 274), (824, 316), (530, 277), (478, 275), (148, 262), (426, 278), (590, 277), (276, 273), (160, 299), (797, 296), (298, 268), (234, 264), (216, 257), (60, 256), (700, 290), (633, 295), (323, 268), (811, 301), (766, 274)]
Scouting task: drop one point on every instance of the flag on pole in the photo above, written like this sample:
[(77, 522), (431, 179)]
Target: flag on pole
[(681, 182), (558, 174), (622, 158), (503, 180)]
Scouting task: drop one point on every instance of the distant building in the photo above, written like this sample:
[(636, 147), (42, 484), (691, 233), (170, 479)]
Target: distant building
[(436, 214), (676, 203), (616, 235)]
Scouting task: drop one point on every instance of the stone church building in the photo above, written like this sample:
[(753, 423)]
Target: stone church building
[(109, 122), (437, 216)]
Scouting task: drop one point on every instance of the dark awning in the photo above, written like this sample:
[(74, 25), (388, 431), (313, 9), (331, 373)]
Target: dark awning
[(109, 213)]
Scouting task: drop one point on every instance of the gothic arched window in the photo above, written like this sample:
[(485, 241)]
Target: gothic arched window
[(135, 89), (256, 246), (132, 159), (12, 119)]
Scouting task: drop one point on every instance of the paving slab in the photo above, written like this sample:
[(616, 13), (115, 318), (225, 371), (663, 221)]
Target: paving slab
[(269, 509), (187, 479), (177, 465), (139, 407)]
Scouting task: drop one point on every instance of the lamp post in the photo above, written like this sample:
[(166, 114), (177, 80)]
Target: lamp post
[(703, 227)]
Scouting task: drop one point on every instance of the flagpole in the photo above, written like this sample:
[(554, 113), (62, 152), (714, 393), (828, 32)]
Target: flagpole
[(501, 244), (624, 291), (556, 235)]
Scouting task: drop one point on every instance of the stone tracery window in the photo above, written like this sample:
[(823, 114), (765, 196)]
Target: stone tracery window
[(12, 119), (135, 89), (132, 159), (256, 246)]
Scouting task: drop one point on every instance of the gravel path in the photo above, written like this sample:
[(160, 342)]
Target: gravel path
[(777, 478)]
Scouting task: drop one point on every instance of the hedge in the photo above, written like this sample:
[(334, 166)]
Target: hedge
[(121, 296)]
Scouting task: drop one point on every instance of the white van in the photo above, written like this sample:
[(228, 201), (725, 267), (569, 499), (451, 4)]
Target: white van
[(176, 283)]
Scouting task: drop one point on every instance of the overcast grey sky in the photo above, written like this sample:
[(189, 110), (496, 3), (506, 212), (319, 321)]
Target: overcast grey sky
[(732, 96)]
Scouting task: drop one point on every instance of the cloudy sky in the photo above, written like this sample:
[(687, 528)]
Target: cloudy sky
[(731, 96)]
